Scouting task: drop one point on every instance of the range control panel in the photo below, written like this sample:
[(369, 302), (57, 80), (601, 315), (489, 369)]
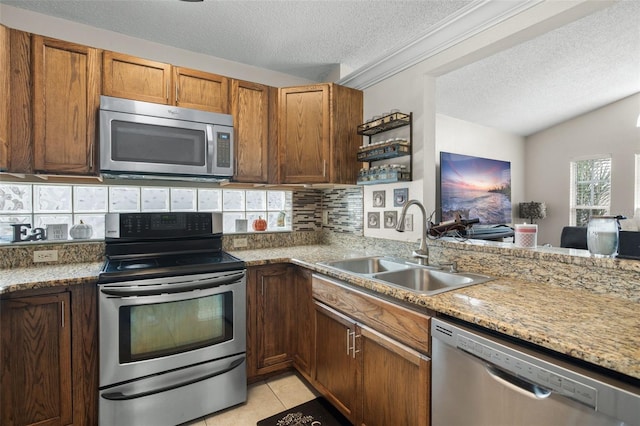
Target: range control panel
[(162, 225)]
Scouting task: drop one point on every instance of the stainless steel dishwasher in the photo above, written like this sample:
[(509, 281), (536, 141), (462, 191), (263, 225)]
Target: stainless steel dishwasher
[(479, 379)]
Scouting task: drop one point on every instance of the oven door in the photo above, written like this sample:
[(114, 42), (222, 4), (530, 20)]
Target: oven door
[(155, 325)]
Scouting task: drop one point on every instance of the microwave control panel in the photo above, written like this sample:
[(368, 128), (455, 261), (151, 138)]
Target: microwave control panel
[(223, 150)]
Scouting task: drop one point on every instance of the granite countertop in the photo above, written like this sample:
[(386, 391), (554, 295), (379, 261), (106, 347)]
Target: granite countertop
[(16, 279), (599, 329)]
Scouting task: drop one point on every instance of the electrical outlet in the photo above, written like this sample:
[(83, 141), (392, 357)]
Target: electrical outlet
[(45, 256), (408, 222), (325, 217), (240, 242)]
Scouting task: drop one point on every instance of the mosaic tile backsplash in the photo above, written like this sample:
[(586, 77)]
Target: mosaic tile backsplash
[(344, 210)]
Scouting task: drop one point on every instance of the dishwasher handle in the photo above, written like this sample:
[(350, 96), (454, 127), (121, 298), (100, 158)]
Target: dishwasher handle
[(517, 384)]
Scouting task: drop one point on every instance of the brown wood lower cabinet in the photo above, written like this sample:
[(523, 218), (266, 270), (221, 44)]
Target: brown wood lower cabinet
[(36, 380), (303, 322), (336, 368), (360, 364), (269, 319), (45, 379), (395, 382)]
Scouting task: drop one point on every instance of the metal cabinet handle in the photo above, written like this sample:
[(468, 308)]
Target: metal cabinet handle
[(62, 314), (347, 345), (352, 347)]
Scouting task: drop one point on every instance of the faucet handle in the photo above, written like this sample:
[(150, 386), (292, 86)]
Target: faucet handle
[(453, 266), (422, 256)]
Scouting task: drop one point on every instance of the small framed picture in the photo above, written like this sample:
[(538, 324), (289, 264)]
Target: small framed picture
[(400, 196), (378, 198), (373, 220), (57, 231), (390, 219)]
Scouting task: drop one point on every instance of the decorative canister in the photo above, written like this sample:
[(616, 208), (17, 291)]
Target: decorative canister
[(602, 236), (526, 235)]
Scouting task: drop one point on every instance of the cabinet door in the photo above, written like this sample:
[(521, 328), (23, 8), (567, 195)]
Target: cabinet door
[(274, 319), (135, 78), (16, 121), (66, 97), (395, 382), (250, 109), (304, 132), (336, 367), (347, 107), (303, 324), (200, 90), (36, 361), (5, 72)]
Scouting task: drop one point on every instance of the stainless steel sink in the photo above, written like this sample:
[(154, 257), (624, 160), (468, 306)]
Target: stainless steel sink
[(368, 265), (421, 279), (430, 281)]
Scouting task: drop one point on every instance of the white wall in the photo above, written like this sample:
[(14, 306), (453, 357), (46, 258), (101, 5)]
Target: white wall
[(49, 26), (409, 91), (610, 130), (462, 137)]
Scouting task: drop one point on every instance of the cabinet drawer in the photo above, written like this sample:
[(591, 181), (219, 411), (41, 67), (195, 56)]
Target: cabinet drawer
[(403, 324)]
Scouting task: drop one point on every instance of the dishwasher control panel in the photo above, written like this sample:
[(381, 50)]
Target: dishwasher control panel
[(536, 374)]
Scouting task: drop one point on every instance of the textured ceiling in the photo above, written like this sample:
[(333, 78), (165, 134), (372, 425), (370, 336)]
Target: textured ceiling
[(308, 39), (561, 74), (567, 72)]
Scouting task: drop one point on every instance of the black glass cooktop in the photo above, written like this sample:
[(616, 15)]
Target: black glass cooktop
[(124, 269)]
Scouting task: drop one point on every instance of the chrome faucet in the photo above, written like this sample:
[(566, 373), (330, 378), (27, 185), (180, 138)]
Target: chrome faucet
[(422, 253)]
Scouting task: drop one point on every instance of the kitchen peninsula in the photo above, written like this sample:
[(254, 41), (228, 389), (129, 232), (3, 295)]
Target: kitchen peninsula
[(570, 303)]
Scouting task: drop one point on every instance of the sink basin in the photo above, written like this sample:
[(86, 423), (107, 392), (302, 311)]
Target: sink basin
[(430, 281), (368, 265)]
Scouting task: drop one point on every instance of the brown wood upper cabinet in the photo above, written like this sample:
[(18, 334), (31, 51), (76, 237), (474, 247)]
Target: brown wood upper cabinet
[(130, 77), (126, 76), (318, 141), (66, 96), (250, 110), (5, 72), (200, 90)]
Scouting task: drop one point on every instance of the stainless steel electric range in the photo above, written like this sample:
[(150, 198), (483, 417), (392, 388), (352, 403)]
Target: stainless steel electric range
[(172, 310)]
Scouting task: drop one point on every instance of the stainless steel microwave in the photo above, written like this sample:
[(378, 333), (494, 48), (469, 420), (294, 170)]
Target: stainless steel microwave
[(147, 140)]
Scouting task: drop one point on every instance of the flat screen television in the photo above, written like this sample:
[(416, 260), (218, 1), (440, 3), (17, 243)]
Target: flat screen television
[(476, 188)]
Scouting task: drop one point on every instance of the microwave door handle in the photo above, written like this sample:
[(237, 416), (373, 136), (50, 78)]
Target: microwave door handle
[(119, 396), (182, 287), (211, 149)]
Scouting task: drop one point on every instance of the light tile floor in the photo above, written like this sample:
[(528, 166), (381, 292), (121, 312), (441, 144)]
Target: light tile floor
[(264, 399)]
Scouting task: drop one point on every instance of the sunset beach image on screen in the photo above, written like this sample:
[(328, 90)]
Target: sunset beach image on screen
[(475, 187)]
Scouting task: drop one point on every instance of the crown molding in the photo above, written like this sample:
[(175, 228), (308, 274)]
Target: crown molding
[(469, 21)]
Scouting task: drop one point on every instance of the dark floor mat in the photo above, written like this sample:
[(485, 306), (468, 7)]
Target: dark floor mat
[(317, 412)]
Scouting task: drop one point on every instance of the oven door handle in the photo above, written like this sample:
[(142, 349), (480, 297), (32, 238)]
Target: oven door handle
[(182, 287), (119, 396)]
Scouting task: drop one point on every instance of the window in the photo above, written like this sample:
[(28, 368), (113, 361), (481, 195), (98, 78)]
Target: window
[(48, 204), (590, 189)]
